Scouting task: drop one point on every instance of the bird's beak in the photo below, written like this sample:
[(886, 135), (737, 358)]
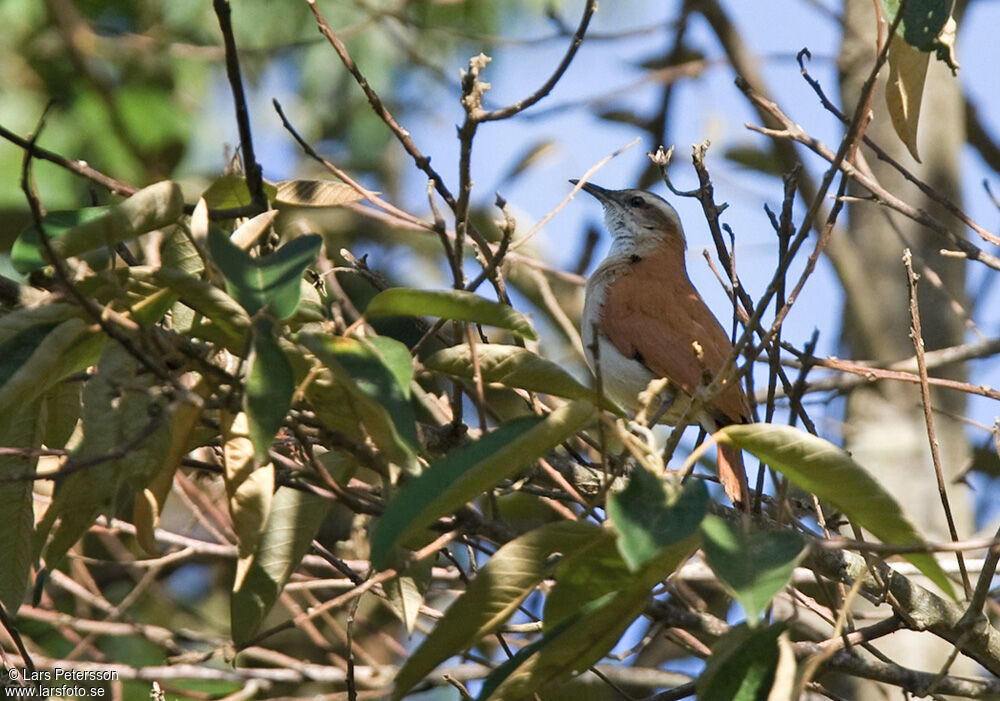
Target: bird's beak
[(603, 195)]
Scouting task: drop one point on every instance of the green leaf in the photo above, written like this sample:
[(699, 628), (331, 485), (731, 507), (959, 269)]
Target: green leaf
[(513, 366), (649, 519), (315, 193), (17, 321), (502, 585), (210, 302), (27, 253), (73, 233), (469, 470), (21, 346), (178, 251), (922, 21), (755, 158), (231, 191), (62, 412), (823, 469), (373, 394), (294, 521), (395, 356), (512, 680), (382, 369), (582, 634), (19, 428), (273, 280), (269, 389), (584, 574), (64, 349), (742, 665), (459, 305), (754, 566)]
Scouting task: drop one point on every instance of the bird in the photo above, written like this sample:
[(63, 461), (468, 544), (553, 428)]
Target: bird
[(643, 319)]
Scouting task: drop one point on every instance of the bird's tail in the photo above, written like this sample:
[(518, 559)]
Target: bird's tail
[(733, 475)]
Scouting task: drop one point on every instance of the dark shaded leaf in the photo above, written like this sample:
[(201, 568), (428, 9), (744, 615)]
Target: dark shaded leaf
[(648, 519), (754, 566), (19, 428), (922, 21), (270, 384), (742, 665), (372, 393), (272, 281)]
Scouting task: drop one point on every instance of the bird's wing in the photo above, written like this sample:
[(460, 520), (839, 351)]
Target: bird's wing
[(657, 324)]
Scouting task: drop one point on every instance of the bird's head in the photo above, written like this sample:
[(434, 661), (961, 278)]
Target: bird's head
[(636, 219)]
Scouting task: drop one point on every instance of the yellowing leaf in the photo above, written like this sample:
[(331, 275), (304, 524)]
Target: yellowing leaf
[(512, 366), (249, 489), (250, 231), (117, 408), (316, 193), (405, 592), (149, 502), (905, 90), (250, 507)]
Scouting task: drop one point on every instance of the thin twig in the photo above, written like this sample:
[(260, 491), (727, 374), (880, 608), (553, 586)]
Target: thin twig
[(521, 105), (925, 399), (255, 179)]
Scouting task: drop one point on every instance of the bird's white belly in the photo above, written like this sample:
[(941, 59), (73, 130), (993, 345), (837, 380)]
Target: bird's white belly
[(622, 379)]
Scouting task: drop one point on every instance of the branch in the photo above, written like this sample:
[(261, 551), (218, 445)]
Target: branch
[(903, 371), (925, 399), (921, 609), (81, 168), (255, 179), (546, 88)]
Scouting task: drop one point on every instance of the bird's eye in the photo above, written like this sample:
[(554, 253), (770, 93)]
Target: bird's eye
[(636, 201)]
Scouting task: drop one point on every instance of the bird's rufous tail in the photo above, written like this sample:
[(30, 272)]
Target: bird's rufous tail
[(733, 475)]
